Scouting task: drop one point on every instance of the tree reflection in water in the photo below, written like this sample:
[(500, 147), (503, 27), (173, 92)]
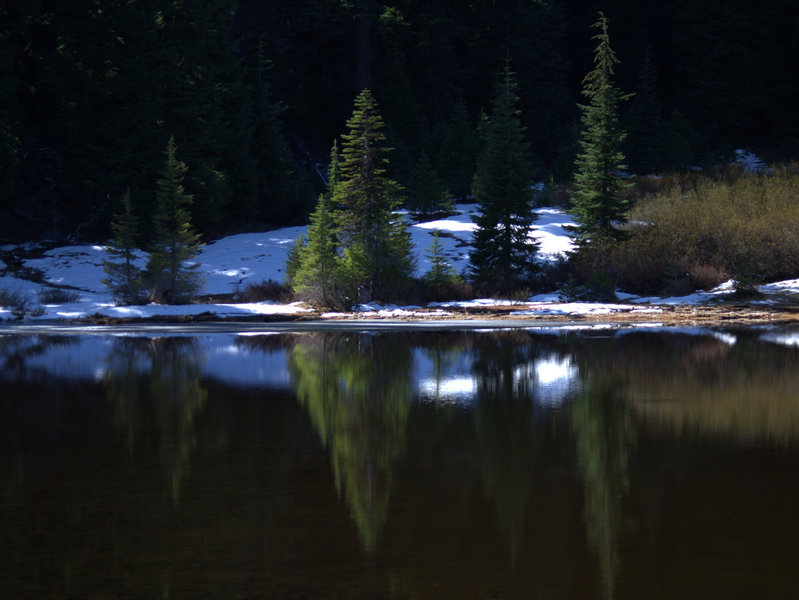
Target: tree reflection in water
[(357, 390), (505, 424), (166, 372), (604, 434), (520, 483)]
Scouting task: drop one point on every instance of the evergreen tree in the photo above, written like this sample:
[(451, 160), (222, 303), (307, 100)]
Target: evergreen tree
[(427, 196), (597, 204), (124, 76), (376, 258), (124, 276), (503, 254), (317, 275), (457, 156), (680, 142), (10, 111), (170, 269), (644, 124), (281, 191), (441, 271)]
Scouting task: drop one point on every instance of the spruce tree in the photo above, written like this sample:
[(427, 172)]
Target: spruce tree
[(376, 261), (441, 272), (280, 193), (316, 277), (427, 196), (680, 142), (124, 276), (10, 110), (644, 123), (503, 254), (458, 153), (170, 270), (596, 199)]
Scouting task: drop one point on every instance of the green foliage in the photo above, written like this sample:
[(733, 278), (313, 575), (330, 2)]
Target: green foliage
[(281, 190), (9, 119), (170, 270), (427, 197), (597, 204), (644, 123), (293, 261), (253, 91), (441, 272), (457, 156), (312, 268), (680, 142), (598, 288), (357, 248), (357, 392), (602, 425), (376, 261), (124, 278), (503, 252), (315, 277)]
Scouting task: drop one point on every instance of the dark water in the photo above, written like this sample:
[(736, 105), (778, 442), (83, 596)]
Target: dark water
[(417, 464)]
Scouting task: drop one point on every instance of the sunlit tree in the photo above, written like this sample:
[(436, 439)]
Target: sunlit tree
[(598, 206)]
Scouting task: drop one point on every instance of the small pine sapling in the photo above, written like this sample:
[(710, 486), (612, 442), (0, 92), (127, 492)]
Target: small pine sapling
[(441, 272), (124, 278)]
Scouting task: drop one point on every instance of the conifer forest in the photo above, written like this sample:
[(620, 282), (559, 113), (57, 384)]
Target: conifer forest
[(255, 93)]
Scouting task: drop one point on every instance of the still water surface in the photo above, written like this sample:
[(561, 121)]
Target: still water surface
[(400, 464)]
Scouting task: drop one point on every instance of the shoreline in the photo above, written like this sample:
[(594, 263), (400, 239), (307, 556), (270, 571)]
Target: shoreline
[(511, 316)]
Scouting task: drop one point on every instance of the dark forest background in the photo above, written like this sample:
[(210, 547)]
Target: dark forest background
[(254, 93)]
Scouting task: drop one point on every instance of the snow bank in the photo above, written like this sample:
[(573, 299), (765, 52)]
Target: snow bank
[(231, 263)]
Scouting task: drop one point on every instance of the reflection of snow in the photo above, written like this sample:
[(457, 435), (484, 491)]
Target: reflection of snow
[(549, 370), (459, 389), (549, 380), (783, 339), (557, 379), (218, 356)]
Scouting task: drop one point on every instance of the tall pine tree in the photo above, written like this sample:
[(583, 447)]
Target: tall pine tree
[(503, 254), (376, 262), (171, 269), (596, 199)]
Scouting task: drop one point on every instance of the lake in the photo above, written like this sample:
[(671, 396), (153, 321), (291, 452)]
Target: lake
[(374, 462)]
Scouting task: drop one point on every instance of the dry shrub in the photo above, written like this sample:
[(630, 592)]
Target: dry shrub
[(706, 277), (20, 304), (269, 290), (453, 290), (705, 228), (58, 296), (553, 275)]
